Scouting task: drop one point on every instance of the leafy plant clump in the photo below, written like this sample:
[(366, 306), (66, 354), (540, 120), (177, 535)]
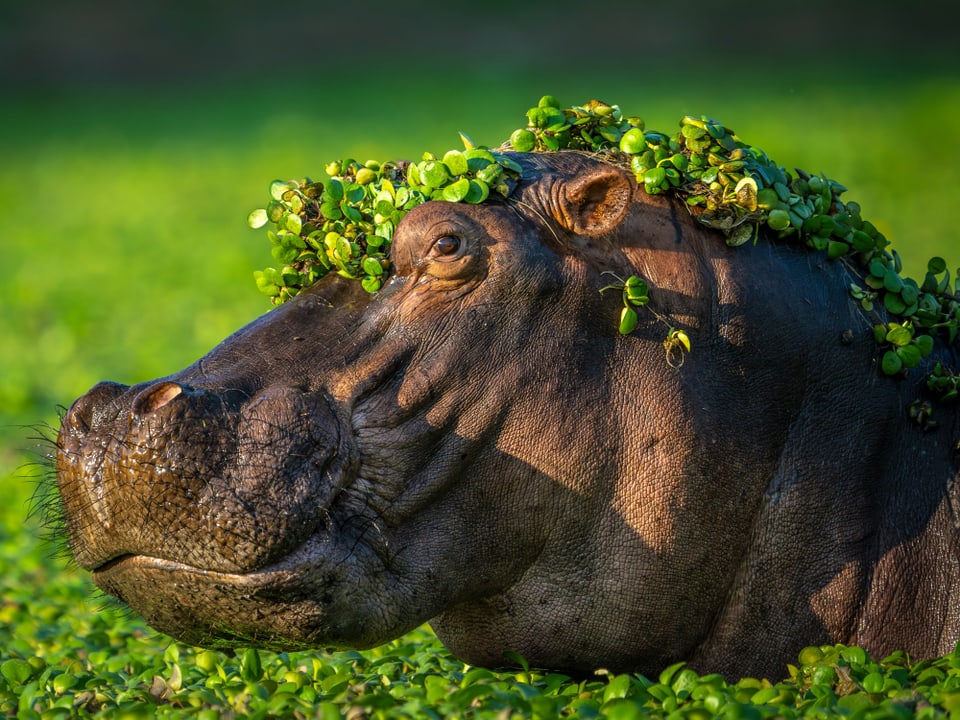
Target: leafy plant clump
[(345, 224), (118, 671)]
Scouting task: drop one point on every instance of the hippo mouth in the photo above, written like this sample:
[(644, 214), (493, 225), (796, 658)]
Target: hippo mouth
[(129, 561), (292, 603), (113, 571)]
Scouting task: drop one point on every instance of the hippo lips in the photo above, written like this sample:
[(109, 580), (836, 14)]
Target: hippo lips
[(116, 568), (317, 550), (271, 607)]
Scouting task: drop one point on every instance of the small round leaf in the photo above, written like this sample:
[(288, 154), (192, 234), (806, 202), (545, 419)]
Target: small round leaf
[(523, 140), (910, 355), (891, 363), (457, 191), (633, 142), (899, 335), (257, 218), (456, 162)]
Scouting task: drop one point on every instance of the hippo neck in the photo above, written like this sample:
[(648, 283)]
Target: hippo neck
[(849, 553), (843, 544)]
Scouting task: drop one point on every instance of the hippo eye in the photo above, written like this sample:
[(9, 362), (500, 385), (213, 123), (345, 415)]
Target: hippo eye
[(447, 245)]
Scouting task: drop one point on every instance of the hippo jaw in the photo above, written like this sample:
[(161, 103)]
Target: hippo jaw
[(286, 605)]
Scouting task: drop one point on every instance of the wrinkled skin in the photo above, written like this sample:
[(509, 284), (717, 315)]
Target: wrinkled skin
[(477, 446)]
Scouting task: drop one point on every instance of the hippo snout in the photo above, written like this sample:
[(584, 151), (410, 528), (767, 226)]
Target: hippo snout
[(213, 479)]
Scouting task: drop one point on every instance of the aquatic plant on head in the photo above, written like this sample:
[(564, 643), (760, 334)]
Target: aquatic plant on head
[(345, 224)]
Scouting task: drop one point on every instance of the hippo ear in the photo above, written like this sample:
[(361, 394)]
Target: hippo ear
[(595, 203)]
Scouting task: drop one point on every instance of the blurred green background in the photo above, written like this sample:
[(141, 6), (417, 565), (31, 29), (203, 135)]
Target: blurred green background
[(135, 137)]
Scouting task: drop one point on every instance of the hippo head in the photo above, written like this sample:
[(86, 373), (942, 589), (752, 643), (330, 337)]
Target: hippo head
[(477, 446)]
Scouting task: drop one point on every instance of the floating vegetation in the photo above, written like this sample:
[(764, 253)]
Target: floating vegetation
[(345, 224)]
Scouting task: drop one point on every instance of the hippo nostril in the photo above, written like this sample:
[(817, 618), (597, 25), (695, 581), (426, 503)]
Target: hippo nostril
[(156, 396), (88, 411)]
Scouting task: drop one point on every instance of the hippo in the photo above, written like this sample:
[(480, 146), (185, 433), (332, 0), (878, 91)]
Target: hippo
[(477, 446)]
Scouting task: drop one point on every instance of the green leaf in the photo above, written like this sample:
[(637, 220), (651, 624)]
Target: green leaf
[(899, 335), (936, 265), (892, 281), (891, 363), (654, 178), (633, 142), (909, 293), (353, 193), (910, 355), (365, 176), (478, 193), (330, 210), (490, 174), (278, 188), (836, 249), (276, 211), (257, 218), (371, 284), (344, 249), (508, 163), (372, 266), (628, 320), (333, 190), (767, 198), (666, 675), (637, 296), (894, 304), (778, 219), (862, 242), (618, 687), (924, 344), (250, 668), (878, 268), (17, 671), (434, 173), (284, 254), (457, 191), (456, 162), (523, 140)]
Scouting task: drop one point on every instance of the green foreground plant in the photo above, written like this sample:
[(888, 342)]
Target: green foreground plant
[(119, 669), (346, 223)]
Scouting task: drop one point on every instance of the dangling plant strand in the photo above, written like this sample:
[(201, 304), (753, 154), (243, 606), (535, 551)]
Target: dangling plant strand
[(636, 293)]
